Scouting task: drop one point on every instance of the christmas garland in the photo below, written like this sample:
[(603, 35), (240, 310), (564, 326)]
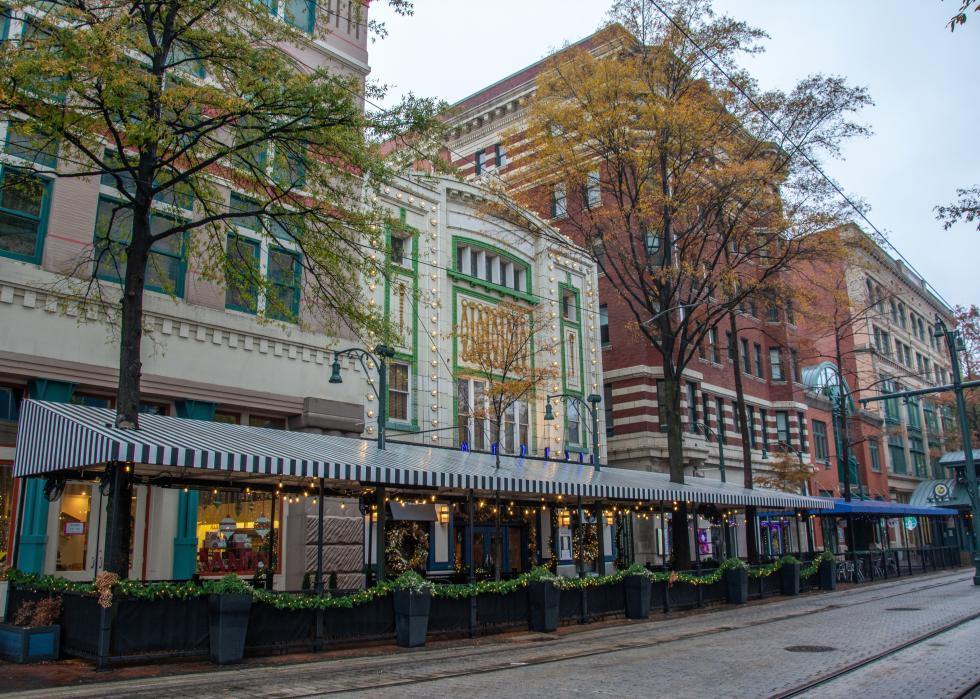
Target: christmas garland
[(409, 580)]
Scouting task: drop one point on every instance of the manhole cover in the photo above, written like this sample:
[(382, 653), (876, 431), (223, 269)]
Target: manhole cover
[(809, 649), (903, 609)]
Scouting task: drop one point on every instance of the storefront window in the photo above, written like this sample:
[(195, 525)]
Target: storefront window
[(6, 513), (233, 531), (73, 527)]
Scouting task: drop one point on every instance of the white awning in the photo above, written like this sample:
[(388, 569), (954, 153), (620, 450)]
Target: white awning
[(53, 437)]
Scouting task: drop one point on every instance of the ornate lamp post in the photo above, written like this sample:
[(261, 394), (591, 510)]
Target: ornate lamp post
[(592, 410), (381, 361)]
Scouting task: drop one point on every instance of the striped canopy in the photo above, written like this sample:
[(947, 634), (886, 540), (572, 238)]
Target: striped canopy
[(54, 437)]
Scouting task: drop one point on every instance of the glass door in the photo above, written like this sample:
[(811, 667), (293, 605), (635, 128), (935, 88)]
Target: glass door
[(74, 527)]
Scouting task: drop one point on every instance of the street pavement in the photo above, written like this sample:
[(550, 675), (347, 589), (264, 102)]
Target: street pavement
[(763, 649)]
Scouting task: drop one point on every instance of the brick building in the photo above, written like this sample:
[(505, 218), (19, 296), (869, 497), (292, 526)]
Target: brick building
[(776, 356)]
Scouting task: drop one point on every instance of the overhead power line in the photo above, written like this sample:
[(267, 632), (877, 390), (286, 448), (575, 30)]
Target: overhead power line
[(799, 150)]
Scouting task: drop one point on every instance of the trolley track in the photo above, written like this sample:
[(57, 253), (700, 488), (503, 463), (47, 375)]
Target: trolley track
[(865, 663)]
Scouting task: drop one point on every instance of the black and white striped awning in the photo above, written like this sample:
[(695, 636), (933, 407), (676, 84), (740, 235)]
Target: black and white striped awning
[(53, 437)]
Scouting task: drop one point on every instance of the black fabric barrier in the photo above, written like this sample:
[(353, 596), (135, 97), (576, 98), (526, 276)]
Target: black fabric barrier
[(278, 630), (142, 627), (569, 606), (502, 611), (715, 592), (449, 615), (606, 600), (371, 621), (683, 595)]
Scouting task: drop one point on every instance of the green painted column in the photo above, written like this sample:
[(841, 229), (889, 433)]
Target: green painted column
[(185, 542), (34, 525)]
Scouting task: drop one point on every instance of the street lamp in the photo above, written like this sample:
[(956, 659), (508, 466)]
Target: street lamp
[(592, 410), (954, 342), (381, 361)]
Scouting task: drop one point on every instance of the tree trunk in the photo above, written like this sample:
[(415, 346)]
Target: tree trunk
[(119, 522), (751, 540), (680, 543)]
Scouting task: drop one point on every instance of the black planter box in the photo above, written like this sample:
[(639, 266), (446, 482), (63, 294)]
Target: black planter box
[(790, 573), (827, 570), (29, 644), (544, 597), (737, 585), (411, 617), (638, 591), (228, 626)]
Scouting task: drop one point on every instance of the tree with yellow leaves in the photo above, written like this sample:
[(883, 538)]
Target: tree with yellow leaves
[(692, 187)]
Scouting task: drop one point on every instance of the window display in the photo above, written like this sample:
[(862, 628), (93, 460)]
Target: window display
[(233, 532), (6, 514)]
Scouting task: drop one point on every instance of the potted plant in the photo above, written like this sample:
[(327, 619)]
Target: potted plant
[(638, 591), (827, 570), (543, 595), (736, 580), (789, 570), (34, 634), (229, 602), (412, 598)]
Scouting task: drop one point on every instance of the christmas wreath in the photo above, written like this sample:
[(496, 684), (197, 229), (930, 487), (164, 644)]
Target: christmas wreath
[(406, 547)]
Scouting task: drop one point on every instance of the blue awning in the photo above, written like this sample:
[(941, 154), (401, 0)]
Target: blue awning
[(883, 508)]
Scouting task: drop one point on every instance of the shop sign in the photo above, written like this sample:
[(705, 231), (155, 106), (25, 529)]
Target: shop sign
[(74, 528), (911, 523), (940, 493)]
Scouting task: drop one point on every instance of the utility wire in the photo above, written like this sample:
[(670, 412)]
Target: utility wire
[(798, 149)]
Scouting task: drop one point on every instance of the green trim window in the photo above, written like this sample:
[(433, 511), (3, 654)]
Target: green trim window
[(896, 450), (875, 456), (776, 363), (24, 201), (285, 272), (398, 391), (918, 453), (912, 411), (892, 414), (782, 427), (254, 255), (30, 145), (692, 407), (821, 447), (166, 267), (243, 256), (753, 440), (573, 425), (486, 263), (474, 427), (932, 422)]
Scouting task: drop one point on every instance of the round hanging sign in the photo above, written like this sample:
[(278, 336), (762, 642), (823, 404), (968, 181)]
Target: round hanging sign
[(262, 526), (227, 525), (911, 523)]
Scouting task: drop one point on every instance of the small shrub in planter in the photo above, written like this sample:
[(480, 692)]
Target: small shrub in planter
[(736, 581), (35, 634), (543, 595), (229, 603), (638, 592), (827, 570), (789, 570), (412, 601)]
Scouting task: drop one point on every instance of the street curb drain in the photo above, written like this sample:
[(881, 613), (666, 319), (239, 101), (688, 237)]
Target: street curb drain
[(903, 609), (809, 649)]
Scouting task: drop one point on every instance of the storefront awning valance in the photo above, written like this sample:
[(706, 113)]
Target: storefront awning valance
[(55, 437), (882, 508)]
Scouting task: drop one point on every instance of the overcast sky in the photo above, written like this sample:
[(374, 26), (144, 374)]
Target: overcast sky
[(926, 117)]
